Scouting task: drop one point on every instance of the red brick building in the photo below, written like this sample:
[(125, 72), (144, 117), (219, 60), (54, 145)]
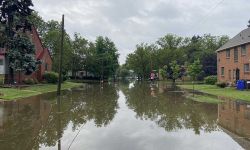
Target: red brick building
[(233, 58), (41, 54)]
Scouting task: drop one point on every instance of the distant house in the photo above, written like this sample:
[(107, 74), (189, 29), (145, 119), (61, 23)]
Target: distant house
[(233, 58), (41, 54), (82, 75)]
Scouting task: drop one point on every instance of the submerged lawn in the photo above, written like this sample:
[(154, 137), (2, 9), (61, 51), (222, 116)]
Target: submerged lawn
[(13, 94), (204, 99), (214, 90)]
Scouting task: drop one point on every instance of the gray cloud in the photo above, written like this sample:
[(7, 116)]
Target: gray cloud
[(131, 22)]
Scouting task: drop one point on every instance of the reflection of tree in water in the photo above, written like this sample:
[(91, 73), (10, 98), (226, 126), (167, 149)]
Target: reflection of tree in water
[(170, 110), (15, 135), (79, 107), (26, 130)]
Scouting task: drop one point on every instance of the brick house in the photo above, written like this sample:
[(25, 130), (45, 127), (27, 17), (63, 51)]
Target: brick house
[(233, 58), (41, 54)]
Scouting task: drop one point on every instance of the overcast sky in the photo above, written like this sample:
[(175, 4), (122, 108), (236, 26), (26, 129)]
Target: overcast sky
[(130, 22)]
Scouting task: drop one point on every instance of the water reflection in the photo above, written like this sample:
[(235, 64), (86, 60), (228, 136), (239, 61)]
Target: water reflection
[(169, 109), (59, 128), (125, 116), (36, 121), (234, 118), (21, 121)]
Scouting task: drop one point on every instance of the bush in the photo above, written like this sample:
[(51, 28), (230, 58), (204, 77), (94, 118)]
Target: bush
[(51, 77), (1, 79), (221, 84), (211, 80), (29, 81), (36, 81)]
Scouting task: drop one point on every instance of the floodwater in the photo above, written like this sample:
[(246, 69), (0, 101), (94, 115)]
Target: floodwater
[(135, 116)]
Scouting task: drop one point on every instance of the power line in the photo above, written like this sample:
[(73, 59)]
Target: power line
[(203, 20), (212, 9)]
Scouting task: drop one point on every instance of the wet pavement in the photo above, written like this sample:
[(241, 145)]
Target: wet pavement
[(132, 116)]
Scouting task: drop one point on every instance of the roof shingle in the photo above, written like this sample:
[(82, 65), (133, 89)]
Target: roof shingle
[(242, 38)]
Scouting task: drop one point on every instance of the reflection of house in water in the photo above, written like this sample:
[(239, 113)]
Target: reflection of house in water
[(22, 121), (234, 116)]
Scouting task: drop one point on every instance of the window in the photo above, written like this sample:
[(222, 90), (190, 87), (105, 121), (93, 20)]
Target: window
[(1, 62), (234, 74), (228, 53), (246, 68), (222, 71), (229, 74), (243, 50), (235, 55)]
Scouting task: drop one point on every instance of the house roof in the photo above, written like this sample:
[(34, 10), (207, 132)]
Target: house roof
[(242, 38), (40, 55)]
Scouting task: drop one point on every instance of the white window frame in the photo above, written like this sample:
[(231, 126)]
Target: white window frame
[(243, 48), (222, 73), (246, 69)]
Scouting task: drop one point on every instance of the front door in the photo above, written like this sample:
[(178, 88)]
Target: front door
[(237, 74)]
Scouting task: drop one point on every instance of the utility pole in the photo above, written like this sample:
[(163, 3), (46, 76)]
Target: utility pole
[(60, 59)]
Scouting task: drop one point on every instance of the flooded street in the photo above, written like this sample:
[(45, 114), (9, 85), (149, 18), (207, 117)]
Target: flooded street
[(123, 117)]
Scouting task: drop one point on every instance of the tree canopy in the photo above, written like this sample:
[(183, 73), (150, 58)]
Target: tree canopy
[(181, 50), (99, 58), (14, 25)]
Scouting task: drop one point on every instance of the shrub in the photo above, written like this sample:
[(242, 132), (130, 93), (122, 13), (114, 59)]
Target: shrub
[(211, 80), (1, 79), (221, 84), (51, 77), (29, 81), (36, 81)]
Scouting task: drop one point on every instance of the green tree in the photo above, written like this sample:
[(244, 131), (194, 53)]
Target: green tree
[(102, 58), (14, 23), (194, 70), (79, 46), (174, 71), (203, 48), (163, 72), (170, 49), (21, 55), (37, 21), (139, 61), (52, 42)]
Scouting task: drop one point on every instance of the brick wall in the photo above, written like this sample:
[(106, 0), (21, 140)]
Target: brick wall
[(230, 65), (36, 41), (46, 64)]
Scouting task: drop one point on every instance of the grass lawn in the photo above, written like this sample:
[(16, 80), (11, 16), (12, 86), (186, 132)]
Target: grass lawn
[(13, 94), (214, 90)]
